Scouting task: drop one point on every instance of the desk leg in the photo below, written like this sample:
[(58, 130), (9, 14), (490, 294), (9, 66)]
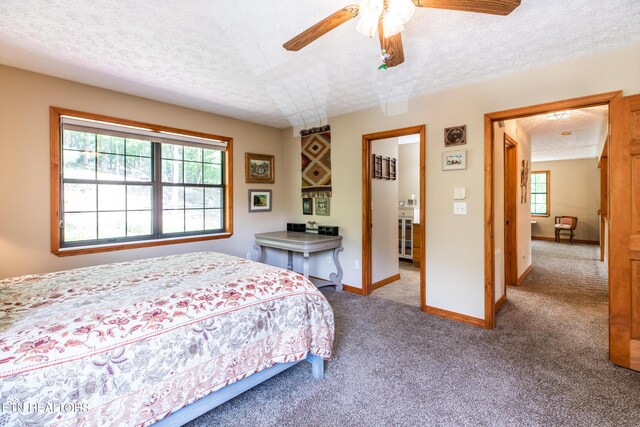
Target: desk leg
[(305, 264), (290, 260), (336, 278), (260, 253)]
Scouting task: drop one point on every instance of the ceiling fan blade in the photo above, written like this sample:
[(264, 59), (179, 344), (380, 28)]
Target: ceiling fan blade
[(322, 27), (393, 47), (494, 7)]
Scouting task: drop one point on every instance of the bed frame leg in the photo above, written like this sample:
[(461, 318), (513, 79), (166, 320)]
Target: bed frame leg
[(317, 366)]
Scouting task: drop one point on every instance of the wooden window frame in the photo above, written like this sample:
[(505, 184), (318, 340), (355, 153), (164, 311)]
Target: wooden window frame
[(55, 114), (548, 173)]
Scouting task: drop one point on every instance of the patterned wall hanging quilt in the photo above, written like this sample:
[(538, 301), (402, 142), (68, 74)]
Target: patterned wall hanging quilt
[(316, 162)]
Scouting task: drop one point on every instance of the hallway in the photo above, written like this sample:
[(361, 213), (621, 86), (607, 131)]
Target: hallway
[(564, 298)]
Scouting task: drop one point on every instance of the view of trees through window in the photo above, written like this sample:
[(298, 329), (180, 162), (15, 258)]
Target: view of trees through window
[(110, 191), (540, 193)]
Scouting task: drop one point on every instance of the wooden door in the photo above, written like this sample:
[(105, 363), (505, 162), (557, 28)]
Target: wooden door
[(604, 195), (510, 212), (624, 232)]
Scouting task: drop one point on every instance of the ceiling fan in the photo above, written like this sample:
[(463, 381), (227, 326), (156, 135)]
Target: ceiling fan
[(388, 17)]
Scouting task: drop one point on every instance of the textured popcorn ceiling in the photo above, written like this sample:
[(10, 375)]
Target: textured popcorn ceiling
[(588, 127), (226, 56)]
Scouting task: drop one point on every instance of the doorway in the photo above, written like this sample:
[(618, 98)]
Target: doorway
[(622, 154), (368, 171)]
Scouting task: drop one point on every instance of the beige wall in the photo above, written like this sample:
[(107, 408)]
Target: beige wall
[(575, 191), (455, 244), (25, 98), (516, 132), (409, 171), (384, 217)]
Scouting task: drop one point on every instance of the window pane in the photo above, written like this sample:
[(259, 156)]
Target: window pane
[(172, 221), (139, 197), (212, 156), (194, 220), (541, 188), (170, 151), (213, 198), (111, 224), (193, 154), (212, 174), (79, 197), (78, 164), (138, 148), (542, 208), (173, 197), (538, 178), (213, 219), (111, 197), (79, 140), (139, 223), (110, 167), (172, 171), (542, 178), (541, 198), (138, 169), (80, 226), (194, 197), (110, 144), (192, 173)]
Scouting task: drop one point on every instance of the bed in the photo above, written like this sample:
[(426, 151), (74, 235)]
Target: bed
[(138, 342)]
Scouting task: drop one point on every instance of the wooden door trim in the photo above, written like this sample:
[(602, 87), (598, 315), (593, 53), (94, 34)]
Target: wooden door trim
[(489, 119), (367, 139)]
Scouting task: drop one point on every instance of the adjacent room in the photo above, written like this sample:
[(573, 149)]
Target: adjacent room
[(395, 212)]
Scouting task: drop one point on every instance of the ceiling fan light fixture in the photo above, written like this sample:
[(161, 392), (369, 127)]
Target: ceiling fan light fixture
[(391, 25), (401, 10), (370, 12), (559, 115)]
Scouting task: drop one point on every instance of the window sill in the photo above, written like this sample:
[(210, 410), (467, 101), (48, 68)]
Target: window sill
[(541, 215), (83, 250)]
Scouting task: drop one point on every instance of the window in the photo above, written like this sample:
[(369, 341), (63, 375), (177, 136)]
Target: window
[(123, 184), (540, 185)]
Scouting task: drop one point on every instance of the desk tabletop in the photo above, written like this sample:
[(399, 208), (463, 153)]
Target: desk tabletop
[(297, 240)]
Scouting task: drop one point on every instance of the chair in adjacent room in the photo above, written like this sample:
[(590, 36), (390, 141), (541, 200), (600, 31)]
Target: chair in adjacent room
[(567, 224)]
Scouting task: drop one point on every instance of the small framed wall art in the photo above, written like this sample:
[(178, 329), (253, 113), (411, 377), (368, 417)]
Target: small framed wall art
[(307, 206), (259, 168), (454, 136), (454, 160), (322, 206), (259, 200)]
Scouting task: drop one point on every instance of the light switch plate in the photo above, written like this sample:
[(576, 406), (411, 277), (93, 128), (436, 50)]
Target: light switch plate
[(459, 193), (460, 208)]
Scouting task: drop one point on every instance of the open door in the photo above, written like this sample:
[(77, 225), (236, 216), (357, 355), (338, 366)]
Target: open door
[(510, 212), (624, 232)]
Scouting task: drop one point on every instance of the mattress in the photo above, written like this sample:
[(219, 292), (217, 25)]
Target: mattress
[(130, 343)]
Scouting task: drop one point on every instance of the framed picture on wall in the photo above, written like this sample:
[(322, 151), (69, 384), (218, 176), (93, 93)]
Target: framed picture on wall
[(307, 206), (259, 168), (454, 160), (259, 200), (322, 206), (456, 135)]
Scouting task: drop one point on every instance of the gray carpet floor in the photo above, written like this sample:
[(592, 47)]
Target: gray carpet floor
[(545, 363)]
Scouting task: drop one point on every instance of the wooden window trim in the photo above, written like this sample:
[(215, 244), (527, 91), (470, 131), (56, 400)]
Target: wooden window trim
[(548, 214), (55, 113)]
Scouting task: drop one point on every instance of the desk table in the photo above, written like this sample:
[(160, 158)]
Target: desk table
[(305, 243)]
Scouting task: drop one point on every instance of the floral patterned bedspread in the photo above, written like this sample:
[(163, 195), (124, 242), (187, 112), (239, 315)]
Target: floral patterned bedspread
[(129, 343)]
